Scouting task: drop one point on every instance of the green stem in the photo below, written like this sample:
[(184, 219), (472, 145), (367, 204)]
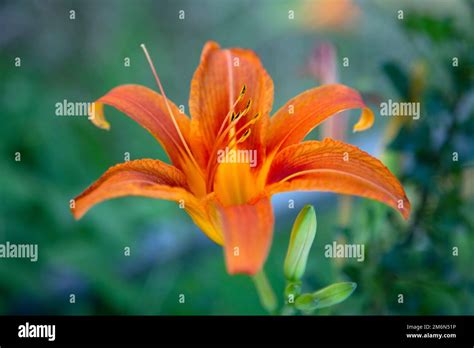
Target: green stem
[(265, 291)]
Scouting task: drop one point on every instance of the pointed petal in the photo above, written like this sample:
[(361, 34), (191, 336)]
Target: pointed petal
[(334, 166), (149, 109), (247, 230), (146, 177), (306, 111), (216, 85)]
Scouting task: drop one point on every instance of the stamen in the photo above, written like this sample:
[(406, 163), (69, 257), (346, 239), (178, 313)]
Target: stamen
[(247, 107), (243, 90), (232, 143), (173, 118), (223, 131), (234, 134), (249, 123), (244, 129), (231, 120), (235, 116), (245, 136), (232, 109)]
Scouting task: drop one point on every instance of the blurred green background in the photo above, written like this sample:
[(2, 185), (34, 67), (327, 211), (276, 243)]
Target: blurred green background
[(83, 58)]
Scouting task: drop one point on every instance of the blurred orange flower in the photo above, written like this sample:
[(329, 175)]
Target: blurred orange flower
[(230, 102), (336, 15)]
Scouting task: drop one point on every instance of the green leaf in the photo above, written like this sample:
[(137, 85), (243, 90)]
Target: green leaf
[(437, 29), (326, 297)]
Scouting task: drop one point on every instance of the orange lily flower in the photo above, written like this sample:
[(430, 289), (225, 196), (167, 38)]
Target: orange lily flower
[(230, 102)]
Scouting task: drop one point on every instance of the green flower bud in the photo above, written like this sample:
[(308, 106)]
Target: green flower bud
[(302, 237), (328, 296)]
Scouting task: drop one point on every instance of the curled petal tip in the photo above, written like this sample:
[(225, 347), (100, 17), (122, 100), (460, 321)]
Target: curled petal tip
[(405, 210), (75, 213), (97, 116), (314, 165), (366, 121)]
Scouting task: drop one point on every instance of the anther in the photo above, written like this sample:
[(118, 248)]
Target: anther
[(243, 90), (235, 116), (247, 107), (253, 120), (248, 104), (242, 93), (244, 136)]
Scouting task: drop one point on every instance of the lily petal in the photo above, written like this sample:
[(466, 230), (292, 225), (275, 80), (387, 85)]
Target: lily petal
[(247, 230), (148, 108), (300, 115), (204, 216), (217, 84), (146, 177), (334, 166)]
